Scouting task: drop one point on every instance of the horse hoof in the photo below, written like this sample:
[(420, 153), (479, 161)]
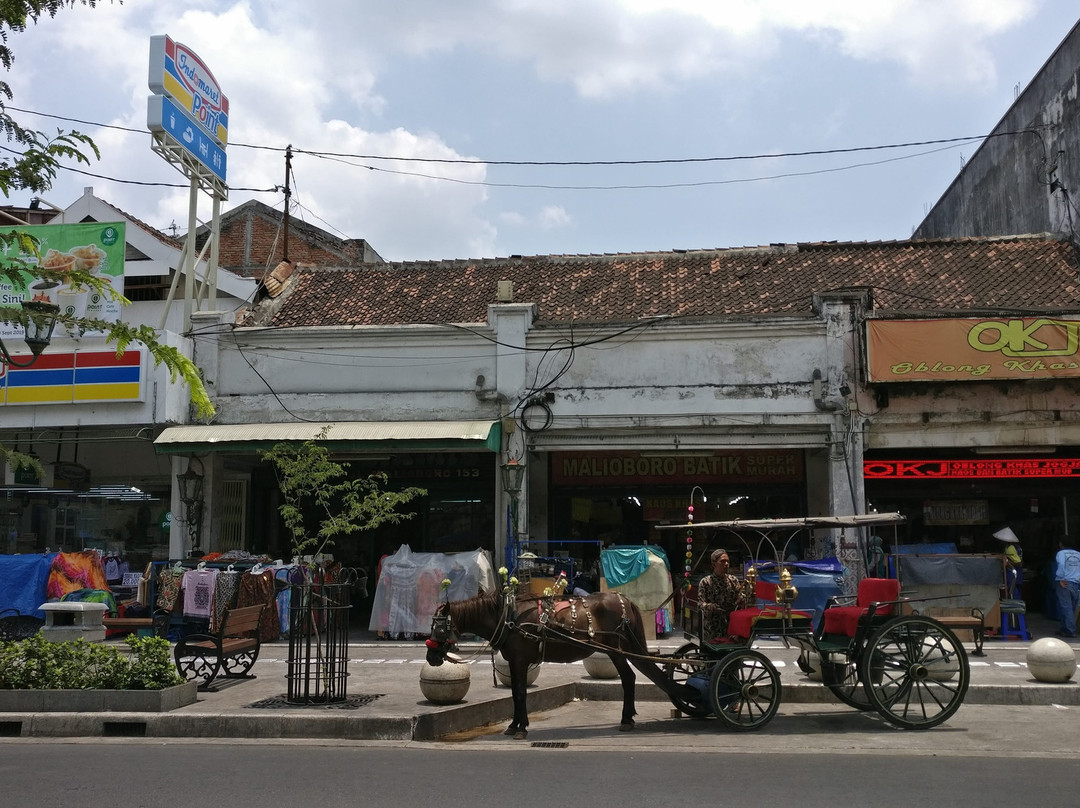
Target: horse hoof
[(510, 731), (521, 735), (625, 727)]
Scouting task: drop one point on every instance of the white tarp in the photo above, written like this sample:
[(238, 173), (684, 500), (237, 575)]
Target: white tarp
[(410, 586), (650, 589)]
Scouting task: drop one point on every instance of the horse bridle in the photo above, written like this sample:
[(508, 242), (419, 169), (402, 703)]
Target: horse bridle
[(443, 631)]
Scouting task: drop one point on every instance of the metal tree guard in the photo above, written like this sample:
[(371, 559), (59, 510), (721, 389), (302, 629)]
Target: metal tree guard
[(318, 663)]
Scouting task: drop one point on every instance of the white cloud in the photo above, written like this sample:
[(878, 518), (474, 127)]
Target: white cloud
[(323, 82), (553, 217)]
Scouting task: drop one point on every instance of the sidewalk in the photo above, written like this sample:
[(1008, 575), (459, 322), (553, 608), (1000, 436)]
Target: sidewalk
[(385, 702)]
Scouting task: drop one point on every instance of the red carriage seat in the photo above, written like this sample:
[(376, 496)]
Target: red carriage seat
[(741, 622), (845, 619)]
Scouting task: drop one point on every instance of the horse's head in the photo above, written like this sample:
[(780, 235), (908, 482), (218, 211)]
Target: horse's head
[(443, 636)]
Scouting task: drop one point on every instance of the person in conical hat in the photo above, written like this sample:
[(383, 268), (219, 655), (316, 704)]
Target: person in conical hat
[(1014, 558)]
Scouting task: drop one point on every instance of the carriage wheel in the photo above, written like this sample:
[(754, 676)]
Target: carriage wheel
[(916, 672), (843, 680), (744, 691), (683, 696)]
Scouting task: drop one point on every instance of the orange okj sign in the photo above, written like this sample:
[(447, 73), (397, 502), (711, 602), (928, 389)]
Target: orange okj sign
[(953, 350)]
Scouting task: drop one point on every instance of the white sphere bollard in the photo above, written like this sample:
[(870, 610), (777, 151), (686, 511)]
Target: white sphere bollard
[(939, 667), (1051, 660), (600, 666), (502, 673), (445, 684)]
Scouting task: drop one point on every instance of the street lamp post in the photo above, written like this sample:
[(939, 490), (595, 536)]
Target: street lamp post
[(513, 474), (191, 495), (37, 331)]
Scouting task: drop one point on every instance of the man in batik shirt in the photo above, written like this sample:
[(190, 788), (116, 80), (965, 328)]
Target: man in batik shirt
[(719, 595)]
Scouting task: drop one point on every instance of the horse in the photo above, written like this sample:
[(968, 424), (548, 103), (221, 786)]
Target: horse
[(528, 630)]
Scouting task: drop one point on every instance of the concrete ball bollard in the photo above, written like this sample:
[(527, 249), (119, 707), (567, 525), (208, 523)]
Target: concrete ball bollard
[(600, 666), (446, 684), (1051, 660), (502, 673)]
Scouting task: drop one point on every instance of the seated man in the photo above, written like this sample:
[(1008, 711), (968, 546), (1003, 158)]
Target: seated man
[(719, 595)]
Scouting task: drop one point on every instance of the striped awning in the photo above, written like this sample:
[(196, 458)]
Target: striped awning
[(373, 436)]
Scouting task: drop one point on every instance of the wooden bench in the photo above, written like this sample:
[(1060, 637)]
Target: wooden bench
[(976, 622), (231, 652)]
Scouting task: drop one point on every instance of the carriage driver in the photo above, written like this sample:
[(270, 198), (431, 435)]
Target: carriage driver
[(719, 594)]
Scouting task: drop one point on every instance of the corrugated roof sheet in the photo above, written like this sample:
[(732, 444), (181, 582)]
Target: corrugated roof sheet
[(250, 436)]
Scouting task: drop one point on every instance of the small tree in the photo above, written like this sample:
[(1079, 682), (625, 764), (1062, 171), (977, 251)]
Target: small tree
[(315, 487), (322, 502)]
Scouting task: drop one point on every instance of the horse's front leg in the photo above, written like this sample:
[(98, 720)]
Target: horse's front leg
[(628, 678), (519, 727)]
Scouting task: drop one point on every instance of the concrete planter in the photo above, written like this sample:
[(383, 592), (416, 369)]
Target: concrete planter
[(502, 673), (445, 684), (98, 701), (600, 666)]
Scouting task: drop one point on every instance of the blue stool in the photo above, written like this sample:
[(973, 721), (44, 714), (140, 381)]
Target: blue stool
[(1013, 622)]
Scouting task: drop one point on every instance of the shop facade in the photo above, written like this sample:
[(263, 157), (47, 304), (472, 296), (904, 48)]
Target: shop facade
[(702, 388)]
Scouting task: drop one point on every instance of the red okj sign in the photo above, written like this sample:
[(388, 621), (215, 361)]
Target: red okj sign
[(971, 469)]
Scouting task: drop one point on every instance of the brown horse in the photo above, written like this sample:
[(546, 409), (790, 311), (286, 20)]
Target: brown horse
[(527, 630)]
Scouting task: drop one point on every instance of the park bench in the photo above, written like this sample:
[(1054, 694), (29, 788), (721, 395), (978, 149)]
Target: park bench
[(129, 625), (975, 622), (231, 652)]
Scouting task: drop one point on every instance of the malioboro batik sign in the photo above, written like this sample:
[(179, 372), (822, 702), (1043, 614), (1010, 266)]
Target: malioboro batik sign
[(966, 349)]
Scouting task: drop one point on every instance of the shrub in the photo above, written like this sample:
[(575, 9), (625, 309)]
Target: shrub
[(38, 664)]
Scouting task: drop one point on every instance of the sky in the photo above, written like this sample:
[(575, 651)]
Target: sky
[(675, 92)]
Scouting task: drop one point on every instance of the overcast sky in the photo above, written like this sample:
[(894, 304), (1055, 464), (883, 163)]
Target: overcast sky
[(552, 80)]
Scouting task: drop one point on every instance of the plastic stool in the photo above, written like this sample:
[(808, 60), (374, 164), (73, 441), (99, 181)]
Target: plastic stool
[(1014, 611)]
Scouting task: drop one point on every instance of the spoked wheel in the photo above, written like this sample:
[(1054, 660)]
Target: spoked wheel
[(685, 698), (916, 672), (744, 691), (841, 676)]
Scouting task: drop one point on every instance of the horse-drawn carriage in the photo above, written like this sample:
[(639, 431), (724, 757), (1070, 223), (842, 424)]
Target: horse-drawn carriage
[(872, 655), (873, 650)]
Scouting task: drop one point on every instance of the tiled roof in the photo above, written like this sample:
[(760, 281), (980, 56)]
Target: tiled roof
[(1015, 274), (165, 239)]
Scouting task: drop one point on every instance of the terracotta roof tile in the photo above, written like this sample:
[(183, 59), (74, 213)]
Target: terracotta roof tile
[(910, 278)]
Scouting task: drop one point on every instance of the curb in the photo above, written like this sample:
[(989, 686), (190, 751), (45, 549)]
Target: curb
[(311, 724)]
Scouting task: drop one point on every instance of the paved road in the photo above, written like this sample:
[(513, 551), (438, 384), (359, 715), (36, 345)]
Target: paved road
[(164, 774)]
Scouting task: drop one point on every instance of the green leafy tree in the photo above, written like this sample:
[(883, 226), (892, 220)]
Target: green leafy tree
[(32, 165), (322, 502)]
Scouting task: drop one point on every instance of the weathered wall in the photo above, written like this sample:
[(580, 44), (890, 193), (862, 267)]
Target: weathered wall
[(1017, 183)]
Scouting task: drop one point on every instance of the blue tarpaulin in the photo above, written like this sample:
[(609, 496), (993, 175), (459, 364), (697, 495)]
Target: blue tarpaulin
[(623, 564), (825, 565), (23, 581), (815, 588), (941, 548)]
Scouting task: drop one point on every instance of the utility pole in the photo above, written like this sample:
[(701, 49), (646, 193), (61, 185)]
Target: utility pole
[(288, 194)]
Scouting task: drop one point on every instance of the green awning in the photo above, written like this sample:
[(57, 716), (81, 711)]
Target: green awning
[(362, 436)]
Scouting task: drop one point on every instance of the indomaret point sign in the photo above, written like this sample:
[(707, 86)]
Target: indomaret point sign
[(189, 115)]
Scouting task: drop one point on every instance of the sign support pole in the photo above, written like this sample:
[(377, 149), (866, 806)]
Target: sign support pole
[(189, 266)]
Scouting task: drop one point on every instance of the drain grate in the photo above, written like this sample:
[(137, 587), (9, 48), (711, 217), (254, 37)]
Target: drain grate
[(550, 744), (123, 729), (354, 702), (10, 729)]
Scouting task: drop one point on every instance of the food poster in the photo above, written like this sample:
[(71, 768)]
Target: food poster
[(95, 247)]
